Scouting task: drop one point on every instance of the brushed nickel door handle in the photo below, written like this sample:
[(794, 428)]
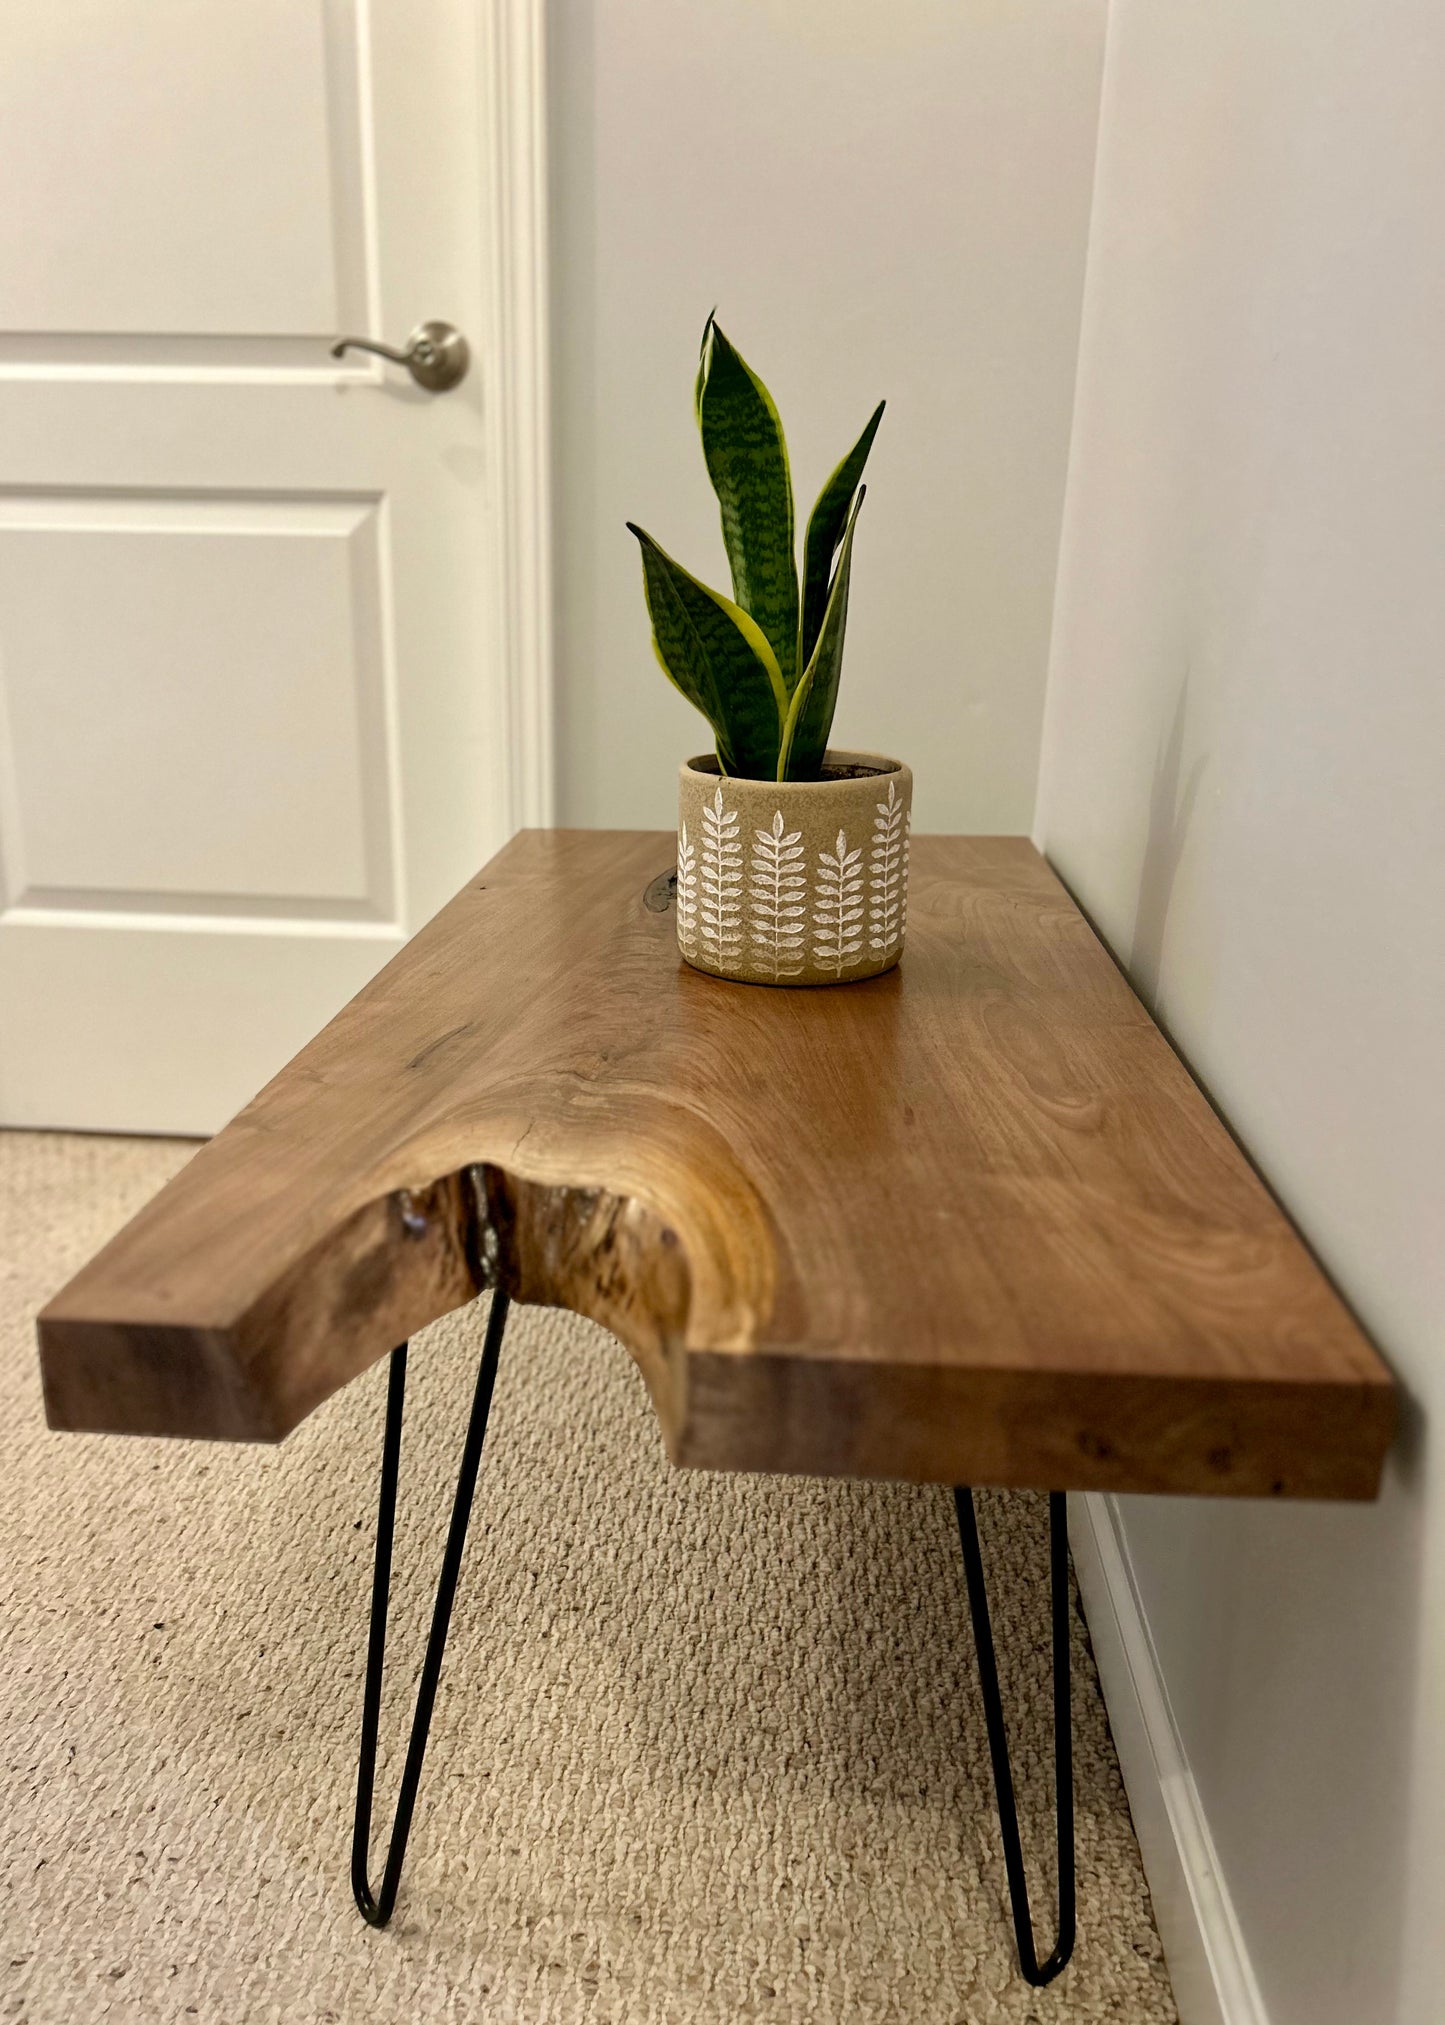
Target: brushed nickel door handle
[(436, 355)]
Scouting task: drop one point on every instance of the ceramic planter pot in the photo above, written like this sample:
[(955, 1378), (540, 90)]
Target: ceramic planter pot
[(796, 881)]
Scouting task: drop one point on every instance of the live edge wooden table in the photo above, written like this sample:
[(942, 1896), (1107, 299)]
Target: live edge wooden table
[(967, 1223)]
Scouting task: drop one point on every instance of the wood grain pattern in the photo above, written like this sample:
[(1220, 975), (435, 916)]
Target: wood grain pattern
[(970, 1221)]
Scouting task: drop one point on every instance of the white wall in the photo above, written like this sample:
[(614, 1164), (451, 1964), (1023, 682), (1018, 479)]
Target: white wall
[(1244, 782), (882, 200)]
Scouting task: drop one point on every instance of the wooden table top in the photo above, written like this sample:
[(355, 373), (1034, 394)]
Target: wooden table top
[(968, 1222)]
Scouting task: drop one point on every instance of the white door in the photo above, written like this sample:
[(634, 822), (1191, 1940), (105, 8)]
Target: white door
[(253, 722)]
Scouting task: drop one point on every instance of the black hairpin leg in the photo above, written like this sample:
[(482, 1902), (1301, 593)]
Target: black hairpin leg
[(376, 1910), (1003, 1785)]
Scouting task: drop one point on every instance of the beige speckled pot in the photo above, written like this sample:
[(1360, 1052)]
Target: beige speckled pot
[(795, 881)]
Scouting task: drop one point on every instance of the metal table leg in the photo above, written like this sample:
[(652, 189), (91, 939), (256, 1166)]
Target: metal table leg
[(1033, 1970), (376, 1909)]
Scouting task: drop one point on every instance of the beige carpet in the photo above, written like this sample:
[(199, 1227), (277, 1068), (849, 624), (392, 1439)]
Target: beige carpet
[(706, 1749)]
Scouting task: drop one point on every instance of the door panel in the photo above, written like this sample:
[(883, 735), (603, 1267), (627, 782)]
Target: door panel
[(175, 168), (251, 773), (183, 167), (251, 727)]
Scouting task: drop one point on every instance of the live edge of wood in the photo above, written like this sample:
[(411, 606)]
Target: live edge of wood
[(969, 1222)]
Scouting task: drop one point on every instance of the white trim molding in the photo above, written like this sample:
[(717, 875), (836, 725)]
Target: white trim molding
[(1213, 1981), (518, 410)]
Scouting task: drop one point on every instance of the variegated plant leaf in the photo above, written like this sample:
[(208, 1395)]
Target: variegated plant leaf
[(747, 461), (825, 530), (719, 658), (810, 712)]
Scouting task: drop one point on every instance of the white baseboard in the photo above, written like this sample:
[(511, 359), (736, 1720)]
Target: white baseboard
[(1210, 1970)]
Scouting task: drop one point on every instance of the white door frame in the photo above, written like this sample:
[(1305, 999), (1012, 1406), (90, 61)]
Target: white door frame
[(514, 100)]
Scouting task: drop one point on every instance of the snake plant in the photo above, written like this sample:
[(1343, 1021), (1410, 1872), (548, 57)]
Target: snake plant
[(763, 665)]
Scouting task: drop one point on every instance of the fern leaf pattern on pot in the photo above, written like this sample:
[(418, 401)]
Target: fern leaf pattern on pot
[(903, 908), (793, 883), (887, 881), (778, 900), (720, 907), (838, 909), (686, 894)]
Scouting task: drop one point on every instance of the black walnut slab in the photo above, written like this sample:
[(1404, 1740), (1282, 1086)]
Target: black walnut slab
[(967, 1222)]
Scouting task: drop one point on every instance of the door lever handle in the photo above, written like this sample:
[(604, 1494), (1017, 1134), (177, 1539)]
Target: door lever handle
[(436, 355)]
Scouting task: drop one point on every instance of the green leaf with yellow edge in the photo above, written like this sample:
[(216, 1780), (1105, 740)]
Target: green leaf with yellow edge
[(825, 530), (747, 461), (720, 660), (810, 712)]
